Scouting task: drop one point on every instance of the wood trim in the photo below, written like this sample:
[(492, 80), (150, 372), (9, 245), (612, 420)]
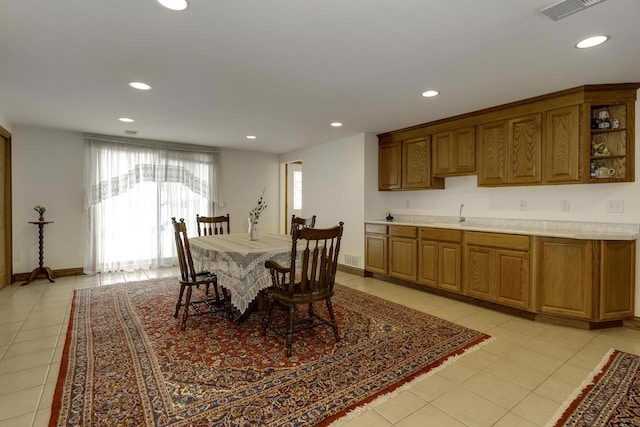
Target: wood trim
[(7, 203), (21, 277), (632, 323), (563, 98), (351, 270)]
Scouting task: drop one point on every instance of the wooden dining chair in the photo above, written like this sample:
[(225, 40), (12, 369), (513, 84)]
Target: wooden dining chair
[(212, 225), (308, 278), (190, 279), (297, 221)]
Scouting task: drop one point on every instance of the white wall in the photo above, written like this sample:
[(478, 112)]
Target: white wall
[(333, 188), (47, 169)]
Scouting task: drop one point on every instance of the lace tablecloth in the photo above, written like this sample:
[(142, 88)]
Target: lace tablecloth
[(239, 262)]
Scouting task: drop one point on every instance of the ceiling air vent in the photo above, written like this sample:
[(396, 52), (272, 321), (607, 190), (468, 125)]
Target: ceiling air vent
[(130, 132), (568, 7)]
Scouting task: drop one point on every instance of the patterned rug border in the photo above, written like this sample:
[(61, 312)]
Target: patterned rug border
[(333, 421), (576, 398), (398, 388)]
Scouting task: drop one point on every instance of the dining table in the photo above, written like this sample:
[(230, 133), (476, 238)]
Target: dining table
[(239, 263)]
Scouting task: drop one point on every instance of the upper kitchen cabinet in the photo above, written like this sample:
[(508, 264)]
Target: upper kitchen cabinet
[(454, 152), (579, 135), (511, 151), (406, 165)]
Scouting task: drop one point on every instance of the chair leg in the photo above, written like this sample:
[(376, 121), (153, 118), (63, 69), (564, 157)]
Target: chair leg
[(227, 302), (292, 313), (310, 311), (269, 314), (179, 304), (185, 314), (334, 325)]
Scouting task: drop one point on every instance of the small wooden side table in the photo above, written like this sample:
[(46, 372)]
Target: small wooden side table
[(41, 269)]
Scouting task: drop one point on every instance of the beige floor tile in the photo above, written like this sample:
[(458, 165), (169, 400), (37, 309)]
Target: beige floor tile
[(571, 374), (46, 400), (32, 334), (512, 420), (547, 348), (491, 317), (368, 418), (479, 358), (432, 387), (42, 322), (22, 380), (429, 415), (534, 360), (498, 347), (525, 326), (457, 372), (42, 417), (568, 337), (476, 410), (590, 355), (52, 374), (26, 420), (25, 361), (475, 324), (517, 373), (19, 403), (555, 389), (515, 338), (497, 390), (5, 339), (455, 312), (398, 407), (536, 409), (20, 348)]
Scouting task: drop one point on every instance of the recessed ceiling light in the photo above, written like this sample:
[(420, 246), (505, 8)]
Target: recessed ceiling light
[(591, 42), (174, 4), (336, 124), (251, 137), (126, 120), (139, 85), (430, 93)]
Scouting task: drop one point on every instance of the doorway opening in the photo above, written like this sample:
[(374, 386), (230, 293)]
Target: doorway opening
[(293, 190)]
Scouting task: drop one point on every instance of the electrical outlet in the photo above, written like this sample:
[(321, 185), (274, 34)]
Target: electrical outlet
[(615, 206), (565, 205), (522, 205), (407, 204)]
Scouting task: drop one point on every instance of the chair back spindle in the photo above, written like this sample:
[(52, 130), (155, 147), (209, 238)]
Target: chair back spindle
[(212, 225)]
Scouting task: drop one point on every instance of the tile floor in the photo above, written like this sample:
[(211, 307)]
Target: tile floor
[(518, 379)]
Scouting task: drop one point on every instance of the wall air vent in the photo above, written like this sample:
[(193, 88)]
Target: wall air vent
[(130, 132), (568, 7)]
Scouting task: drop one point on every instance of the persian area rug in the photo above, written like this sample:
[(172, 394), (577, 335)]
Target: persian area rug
[(610, 397), (127, 363)]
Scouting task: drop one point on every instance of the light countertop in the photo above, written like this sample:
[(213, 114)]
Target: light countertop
[(546, 228)]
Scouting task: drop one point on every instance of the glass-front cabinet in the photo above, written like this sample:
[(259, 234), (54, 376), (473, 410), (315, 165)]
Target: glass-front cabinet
[(611, 143)]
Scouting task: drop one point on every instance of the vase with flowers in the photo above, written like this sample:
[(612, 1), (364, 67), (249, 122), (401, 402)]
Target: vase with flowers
[(41, 210), (254, 216)]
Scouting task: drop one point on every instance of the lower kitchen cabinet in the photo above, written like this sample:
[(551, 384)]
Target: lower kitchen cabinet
[(497, 274), (586, 279), (440, 258), (403, 252), (375, 248)]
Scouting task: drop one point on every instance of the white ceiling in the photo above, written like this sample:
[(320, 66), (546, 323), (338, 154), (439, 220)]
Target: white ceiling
[(284, 69)]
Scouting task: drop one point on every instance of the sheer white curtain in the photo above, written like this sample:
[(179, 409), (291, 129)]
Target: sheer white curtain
[(132, 189)]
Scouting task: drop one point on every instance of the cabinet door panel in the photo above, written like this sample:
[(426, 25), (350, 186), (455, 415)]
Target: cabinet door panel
[(525, 149), (428, 256), (449, 266), (416, 167), (442, 153), (389, 164), (376, 253), (479, 276), (464, 153), (403, 257), (617, 279), (564, 277), (562, 144), (492, 150), (513, 278)]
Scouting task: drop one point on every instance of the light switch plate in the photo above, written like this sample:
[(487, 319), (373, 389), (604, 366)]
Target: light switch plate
[(615, 206)]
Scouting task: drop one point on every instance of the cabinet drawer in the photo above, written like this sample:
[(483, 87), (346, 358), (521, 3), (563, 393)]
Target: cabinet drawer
[(441, 234), (498, 240), (403, 231), (375, 228)]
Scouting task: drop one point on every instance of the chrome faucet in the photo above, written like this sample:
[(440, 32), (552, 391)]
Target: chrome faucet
[(461, 219)]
